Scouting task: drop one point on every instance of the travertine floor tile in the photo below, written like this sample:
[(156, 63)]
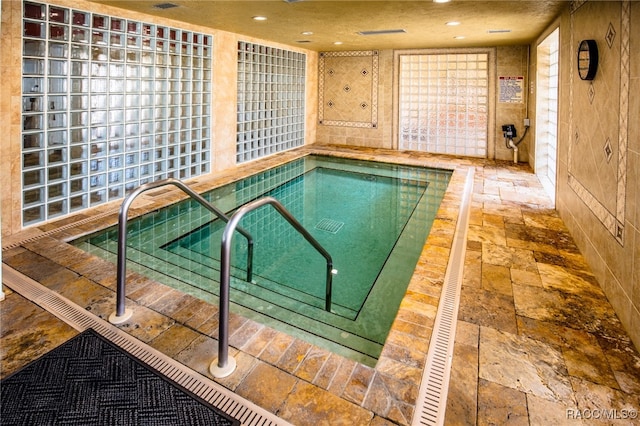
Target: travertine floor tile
[(523, 364), (500, 405), (27, 332), (624, 360), (520, 277), (487, 234), (307, 405), (462, 397), (496, 278), (557, 278), (543, 412), (605, 401), (387, 394), (579, 312), (585, 359), (543, 331), (536, 337), (541, 220), (487, 308), (268, 386), (174, 340)]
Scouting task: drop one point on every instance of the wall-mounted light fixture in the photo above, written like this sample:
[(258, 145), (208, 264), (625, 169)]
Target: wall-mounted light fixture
[(587, 59)]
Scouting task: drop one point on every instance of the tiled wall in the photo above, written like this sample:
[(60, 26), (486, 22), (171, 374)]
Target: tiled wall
[(362, 80), (599, 149), (348, 89), (510, 61)]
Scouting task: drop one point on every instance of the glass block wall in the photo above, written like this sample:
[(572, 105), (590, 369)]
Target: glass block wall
[(443, 103), (108, 104), (547, 78), (271, 98)]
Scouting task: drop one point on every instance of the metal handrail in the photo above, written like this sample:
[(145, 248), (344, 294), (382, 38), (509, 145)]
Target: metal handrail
[(119, 316), (222, 370)]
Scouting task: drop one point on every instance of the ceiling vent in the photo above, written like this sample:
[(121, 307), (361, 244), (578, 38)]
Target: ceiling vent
[(381, 32), (292, 1), (165, 6), (498, 31)]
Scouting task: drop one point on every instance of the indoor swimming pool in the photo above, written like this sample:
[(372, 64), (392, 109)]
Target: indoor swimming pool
[(373, 218)]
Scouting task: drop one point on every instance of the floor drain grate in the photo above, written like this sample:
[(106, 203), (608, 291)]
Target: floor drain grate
[(432, 397), (329, 225)]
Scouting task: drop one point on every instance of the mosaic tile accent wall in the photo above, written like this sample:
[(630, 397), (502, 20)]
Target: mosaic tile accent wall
[(597, 157), (348, 89)]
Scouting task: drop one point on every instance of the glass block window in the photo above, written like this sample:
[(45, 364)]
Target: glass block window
[(107, 105), (271, 98), (547, 112), (443, 103)]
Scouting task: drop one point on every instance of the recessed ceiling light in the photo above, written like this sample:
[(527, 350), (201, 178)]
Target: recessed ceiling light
[(307, 33), (337, 42), (259, 18), (441, 1), (452, 23), (459, 37)]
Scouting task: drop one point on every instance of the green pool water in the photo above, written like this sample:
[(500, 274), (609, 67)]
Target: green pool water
[(373, 218)]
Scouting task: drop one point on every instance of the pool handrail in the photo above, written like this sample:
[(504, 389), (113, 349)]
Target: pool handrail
[(120, 315), (225, 366)]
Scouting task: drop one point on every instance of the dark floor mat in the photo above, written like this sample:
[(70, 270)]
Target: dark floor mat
[(90, 381)]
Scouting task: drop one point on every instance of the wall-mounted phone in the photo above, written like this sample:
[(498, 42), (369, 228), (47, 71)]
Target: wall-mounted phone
[(509, 131)]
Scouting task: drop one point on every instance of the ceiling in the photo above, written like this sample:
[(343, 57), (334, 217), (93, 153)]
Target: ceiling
[(482, 23)]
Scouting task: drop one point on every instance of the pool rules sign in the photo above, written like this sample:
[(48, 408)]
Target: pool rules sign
[(511, 90)]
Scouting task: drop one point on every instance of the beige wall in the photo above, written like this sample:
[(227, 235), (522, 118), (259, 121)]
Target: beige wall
[(598, 194), (10, 105), (224, 76), (509, 61)]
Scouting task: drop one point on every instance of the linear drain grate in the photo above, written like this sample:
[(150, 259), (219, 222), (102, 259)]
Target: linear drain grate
[(329, 225), (36, 234), (432, 398), (247, 412)]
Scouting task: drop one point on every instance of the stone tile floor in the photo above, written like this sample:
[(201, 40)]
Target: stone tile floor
[(537, 342)]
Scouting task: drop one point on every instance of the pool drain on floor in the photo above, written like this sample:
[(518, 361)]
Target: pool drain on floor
[(329, 225)]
